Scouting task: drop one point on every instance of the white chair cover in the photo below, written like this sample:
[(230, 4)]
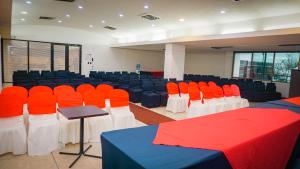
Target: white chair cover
[(215, 105), (186, 99), (197, 108), (232, 103), (175, 103), (69, 130), (13, 135), (99, 124), (242, 102), (122, 117), (43, 134)]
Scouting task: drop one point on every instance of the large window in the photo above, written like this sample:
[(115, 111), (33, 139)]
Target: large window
[(267, 66)]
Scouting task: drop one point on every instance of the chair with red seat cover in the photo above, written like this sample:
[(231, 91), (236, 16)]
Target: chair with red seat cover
[(12, 127), (201, 84), (69, 129), (62, 89), (105, 89), (175, 103), (120, 112), (84, 88), (193, 84), (184, 93), (99, 124), (211, 84), (215, 105), (43, 131), (196, 106), (40, 89), (229, 98), (236, 94)]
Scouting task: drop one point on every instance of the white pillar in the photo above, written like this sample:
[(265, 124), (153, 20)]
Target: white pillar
[(174, 61), (0, 65)]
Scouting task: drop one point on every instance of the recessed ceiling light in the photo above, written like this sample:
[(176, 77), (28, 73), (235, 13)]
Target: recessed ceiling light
[(22, 19), (24, 12), (146, 6), (222, 11), (80, 7), (153, 25), (91, 26), (59, 21), (121, 15), (28, 2), (68, 16), (103, 21), (181, 19)]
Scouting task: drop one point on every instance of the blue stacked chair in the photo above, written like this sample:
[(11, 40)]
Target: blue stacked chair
[(20, 77), (271, 90), (149, 98), (135, 90), (160, 89)]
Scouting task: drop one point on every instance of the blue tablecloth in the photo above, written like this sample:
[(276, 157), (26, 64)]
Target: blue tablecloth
[(280, 104), (133, 149)]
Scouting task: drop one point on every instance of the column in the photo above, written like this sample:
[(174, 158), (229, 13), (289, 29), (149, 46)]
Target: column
[(174, 61)]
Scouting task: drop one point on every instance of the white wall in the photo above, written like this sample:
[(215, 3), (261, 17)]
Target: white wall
[(96, 45), (209, 63), (174, 61)]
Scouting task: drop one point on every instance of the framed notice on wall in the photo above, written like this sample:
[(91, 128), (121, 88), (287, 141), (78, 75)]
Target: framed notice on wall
[(138, 68)]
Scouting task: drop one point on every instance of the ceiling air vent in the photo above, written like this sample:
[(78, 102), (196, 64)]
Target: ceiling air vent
[(221, 47), (66, 0), (110, 28), (149, 17), (46, 17)]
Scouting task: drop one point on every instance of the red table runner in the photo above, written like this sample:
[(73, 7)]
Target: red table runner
[(250, 138), (295, 100)]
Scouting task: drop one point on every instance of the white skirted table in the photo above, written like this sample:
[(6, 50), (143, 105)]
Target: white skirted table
[(81, 112)]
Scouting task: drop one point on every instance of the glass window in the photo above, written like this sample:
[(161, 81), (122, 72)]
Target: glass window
[(283, 64), (40, 56), (242, 65)]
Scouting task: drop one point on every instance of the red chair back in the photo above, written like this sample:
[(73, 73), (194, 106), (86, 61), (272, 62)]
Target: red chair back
[(119, 98), (84, 88), (193, 84), (194, 93), (72, 99), (172, 88), (217, 91), (10, 106), (41, 103), (40, 89), (211, 83), (17, 91), (207, 92), (94, 98), (104, 89), (183, 87), (62, 89), (227, 91), (201, 84), (235, 90)]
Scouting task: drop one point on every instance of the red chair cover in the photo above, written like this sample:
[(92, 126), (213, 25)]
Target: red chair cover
[(94, 98), (217, 91), (119, 98), (235, 90), (17, 91), (104, 89), (71, 99), (194, 94), (183, 87), (227, 91), (207, 92), (193, 84), (201, 84), (10, 106), (84, 88), (62, 89), (40, 89), (211, 83), (41, 103), (172, 88)]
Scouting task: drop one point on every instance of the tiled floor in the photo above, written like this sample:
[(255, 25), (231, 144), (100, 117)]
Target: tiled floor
[(54, 160)]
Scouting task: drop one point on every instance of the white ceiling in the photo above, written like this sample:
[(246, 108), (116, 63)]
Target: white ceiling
[(201, 15)]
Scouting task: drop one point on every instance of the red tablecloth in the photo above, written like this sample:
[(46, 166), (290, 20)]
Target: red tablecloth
[(295, 100), (250, 138)]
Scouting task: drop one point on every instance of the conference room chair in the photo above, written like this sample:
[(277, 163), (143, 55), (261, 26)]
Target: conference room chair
[(211, 84), (196, 106), (40, 89), (237, 96), (202, 83), (215, 105), (121, 115), (160, 89), (193, 84), (149, 98), (175, 103), (69, 129), (135, 90), (84, 88), (105, 89), (99, 124), (43, 127), (229, 98), (12, 128), (184, 93), (62, 89)]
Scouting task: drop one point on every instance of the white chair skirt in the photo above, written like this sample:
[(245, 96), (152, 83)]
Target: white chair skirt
[(122, 117), (176, 103), (13, 135), (186, 99), (69, 130), (43, 132), (99, 124), (216, 105), (197, 108)]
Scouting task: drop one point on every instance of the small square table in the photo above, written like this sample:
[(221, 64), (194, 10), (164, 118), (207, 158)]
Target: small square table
[(81, 112)]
